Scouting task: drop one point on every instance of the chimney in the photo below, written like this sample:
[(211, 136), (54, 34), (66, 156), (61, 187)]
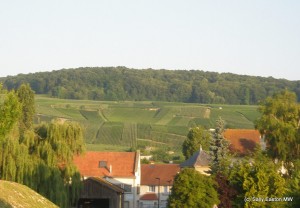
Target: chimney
[(110, 169)]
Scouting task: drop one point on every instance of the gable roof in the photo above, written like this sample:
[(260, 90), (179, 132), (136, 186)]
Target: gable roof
[(166, 173), (106, 183), (121, 164), (199, 158), (242, 141)]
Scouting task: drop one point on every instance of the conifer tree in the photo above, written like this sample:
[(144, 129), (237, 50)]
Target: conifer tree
[(219, 149)]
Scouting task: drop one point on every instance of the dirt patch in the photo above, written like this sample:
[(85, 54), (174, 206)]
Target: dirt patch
[(152, 109), (207, 113), (61, 120)]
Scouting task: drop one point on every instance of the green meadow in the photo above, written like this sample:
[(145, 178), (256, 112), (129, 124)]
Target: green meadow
[(115, 126)]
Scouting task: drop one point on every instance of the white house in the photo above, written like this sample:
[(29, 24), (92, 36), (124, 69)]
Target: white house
[(156, 183), (119, 168)]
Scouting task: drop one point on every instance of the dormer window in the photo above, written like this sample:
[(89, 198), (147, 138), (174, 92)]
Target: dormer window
[(102, 164)]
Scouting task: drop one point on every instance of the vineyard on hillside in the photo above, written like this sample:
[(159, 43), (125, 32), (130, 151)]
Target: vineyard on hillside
[(140, 124)]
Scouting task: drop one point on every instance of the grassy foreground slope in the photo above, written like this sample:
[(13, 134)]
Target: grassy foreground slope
[(19, 196), (112, 125)]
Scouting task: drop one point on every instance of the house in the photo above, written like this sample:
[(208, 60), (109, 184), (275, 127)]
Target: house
[(200, 161), (156, 183), (119, 168), (243, 141)]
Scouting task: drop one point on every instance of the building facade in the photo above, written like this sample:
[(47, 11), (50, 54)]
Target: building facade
[(156, 183), (119, 168)]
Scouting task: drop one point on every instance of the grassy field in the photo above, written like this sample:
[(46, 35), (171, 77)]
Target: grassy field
[(14, 195), (111, 125)]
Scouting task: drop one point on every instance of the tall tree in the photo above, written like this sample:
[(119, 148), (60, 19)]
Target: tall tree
[(219, 149), (279, 123), (196, 137), (192, 189), (9, 113), (26, 98)]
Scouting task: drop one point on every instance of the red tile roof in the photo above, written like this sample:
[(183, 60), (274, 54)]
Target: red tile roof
[(242, 140), (122, 164), (149, 196), (166, 173)]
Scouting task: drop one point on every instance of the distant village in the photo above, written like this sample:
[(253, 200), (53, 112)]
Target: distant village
[(119, 180)]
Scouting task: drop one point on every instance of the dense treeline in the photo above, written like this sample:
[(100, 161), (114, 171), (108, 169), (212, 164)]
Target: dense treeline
[(120, 83), (40, 156)]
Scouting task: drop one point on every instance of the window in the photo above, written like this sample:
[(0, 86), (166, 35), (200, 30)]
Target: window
[(102, 164), (165, 189), (151, 188)]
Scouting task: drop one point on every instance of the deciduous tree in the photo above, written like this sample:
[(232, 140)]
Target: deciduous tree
[(255, 180), (192, 189), (279, 123), (196, 137), (41, 158), (26, 98)]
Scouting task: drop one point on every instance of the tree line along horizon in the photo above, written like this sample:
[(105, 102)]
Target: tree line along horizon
[(40, 156), (121, 83)]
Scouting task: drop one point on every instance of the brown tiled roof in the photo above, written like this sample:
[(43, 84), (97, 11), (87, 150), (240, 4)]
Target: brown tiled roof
[(149, 197), (122, 164), (242, 141), (199, 158), (166, 173)]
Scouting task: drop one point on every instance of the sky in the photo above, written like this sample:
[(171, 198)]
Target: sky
[(248, 37)]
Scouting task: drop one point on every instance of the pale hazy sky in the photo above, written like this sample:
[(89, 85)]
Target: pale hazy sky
[(253, 37)]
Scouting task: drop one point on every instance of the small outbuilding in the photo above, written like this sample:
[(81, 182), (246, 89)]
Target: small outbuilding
[(100, 193)]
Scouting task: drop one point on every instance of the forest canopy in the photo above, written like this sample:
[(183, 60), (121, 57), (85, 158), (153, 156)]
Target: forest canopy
[(121, 83)]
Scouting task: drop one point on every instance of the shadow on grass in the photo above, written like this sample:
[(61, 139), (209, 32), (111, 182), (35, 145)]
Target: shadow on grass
[(4, 204)]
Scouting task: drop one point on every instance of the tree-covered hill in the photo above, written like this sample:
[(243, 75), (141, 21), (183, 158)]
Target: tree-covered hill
[(121, 83)]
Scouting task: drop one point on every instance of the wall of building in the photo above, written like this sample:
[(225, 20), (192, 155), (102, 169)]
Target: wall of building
[(163, 195), (96, 190), (203, 169)]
